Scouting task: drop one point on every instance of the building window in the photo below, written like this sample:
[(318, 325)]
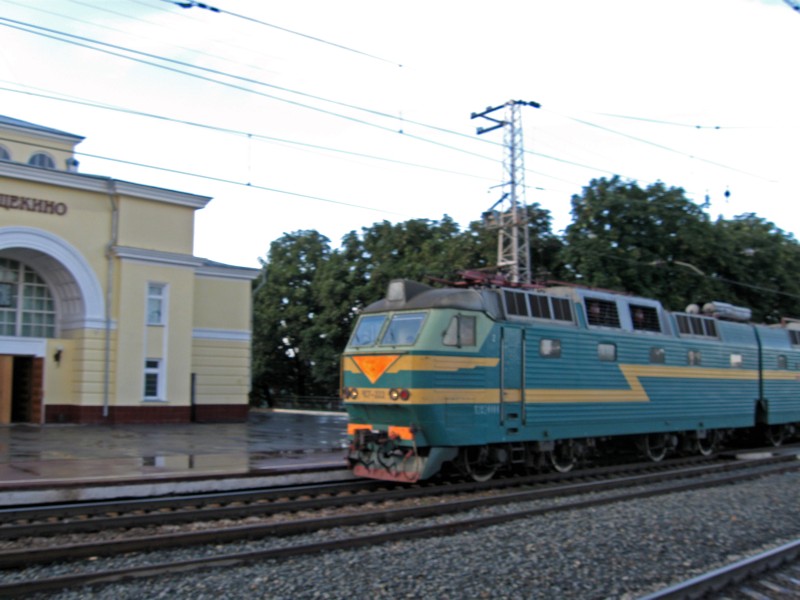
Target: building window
[(40, 159), (156, 303), (550, 348), (152, 379), (4, 153), (27, 308), (607, 352)]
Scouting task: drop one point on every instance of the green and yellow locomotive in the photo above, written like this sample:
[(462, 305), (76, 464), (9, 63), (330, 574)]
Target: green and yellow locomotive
[(488, 378)]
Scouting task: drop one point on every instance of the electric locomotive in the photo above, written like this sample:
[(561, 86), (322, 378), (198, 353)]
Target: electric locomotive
[(487, 378)]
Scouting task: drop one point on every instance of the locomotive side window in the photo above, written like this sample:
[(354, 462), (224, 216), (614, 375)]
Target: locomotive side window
[(658, 355), (692, 325), (403, 329), (602, 312), (549, 348), (540, 307), (794, 336), (366, 334), (782, 362), (693, 358), (460, 332), (644, 318), (737, 361), (515, 303), (562, 311), (607, 352)]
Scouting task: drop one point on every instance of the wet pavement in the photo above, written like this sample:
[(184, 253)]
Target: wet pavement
[(60, 454)]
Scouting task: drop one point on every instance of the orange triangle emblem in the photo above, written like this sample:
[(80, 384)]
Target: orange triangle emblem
[(373, 366)]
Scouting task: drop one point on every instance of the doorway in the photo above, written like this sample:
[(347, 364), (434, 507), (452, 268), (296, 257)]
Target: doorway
[(20, 389)]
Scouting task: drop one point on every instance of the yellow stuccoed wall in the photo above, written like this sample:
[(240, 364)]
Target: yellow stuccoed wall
[(207, 330), (22, 146), (155, 226), (137, 341), (86, 225)]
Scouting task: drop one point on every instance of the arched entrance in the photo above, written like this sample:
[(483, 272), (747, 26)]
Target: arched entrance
[(47, 290)]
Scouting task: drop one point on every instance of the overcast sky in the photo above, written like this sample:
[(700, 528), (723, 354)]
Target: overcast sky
[(332, 115)]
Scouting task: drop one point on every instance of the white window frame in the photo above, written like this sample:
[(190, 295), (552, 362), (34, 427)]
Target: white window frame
[(158, 371), (160, 297)]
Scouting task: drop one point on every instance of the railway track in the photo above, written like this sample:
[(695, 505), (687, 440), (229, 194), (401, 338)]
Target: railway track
[(55, 519), (480, 509), (772, 574)]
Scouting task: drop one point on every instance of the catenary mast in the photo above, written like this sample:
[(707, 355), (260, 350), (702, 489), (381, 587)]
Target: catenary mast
[(509, 214)]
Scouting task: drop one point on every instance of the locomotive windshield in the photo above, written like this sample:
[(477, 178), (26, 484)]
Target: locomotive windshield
[(402, 330), (368, 329)]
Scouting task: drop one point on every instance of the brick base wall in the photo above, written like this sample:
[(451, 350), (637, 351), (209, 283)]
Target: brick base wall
[(213, 413), (220, 413)]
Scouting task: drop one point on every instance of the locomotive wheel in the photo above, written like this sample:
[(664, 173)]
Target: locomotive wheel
[(774, 435), (562, 457), (654, 446), (477, 463), (707, 445)]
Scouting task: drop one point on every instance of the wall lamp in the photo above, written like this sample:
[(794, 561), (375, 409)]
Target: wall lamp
[(57, 355)]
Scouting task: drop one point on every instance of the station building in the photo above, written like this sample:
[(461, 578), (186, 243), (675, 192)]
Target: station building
[(106, 316)]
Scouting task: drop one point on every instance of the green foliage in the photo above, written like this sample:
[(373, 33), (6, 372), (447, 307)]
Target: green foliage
[(651, 242)]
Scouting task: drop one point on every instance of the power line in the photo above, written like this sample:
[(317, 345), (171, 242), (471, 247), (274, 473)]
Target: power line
[(245, 134), (218, 179), (194, 4)]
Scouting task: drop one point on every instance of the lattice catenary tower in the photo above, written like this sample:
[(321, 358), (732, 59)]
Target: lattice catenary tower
[(509, 214)]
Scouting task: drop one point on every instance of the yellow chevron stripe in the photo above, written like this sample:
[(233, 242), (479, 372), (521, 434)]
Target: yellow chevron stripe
[(448, 364), (633, 375)]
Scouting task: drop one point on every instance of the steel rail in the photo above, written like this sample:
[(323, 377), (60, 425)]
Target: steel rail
[(190, 507), (28, 557), (719, 579), (439, 529)]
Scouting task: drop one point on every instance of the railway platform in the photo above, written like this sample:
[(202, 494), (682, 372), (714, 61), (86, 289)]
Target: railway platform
[(54, 463)]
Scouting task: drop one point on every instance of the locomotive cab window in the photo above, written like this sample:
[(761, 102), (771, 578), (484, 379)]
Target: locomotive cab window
[(602, 312), (403, 329), (644, 318), (460, 332), (369, 327)]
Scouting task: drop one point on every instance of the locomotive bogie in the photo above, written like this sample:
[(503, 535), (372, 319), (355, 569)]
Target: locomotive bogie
[(491, 379)]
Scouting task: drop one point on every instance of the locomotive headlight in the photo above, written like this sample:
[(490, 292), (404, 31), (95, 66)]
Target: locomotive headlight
[(396, 394), (350, 393)]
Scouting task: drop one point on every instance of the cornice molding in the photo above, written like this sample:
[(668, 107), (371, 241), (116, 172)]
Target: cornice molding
[(99, 184)]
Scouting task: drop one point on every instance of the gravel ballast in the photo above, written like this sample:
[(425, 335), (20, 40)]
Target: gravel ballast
[(622, 550)]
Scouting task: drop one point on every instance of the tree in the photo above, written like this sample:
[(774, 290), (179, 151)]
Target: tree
[(545, 247), (759, 263), (652, 242), (288, 356)]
